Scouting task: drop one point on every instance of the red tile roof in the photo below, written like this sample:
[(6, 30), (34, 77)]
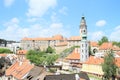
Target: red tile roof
[(94, 60), (75, 55), (106, 46), (97, 61), (118, 53), (3, 55), (75, 38), (19, 69), (36, 39), (94, 44), (56, 37), (22, 52), (109, 45)]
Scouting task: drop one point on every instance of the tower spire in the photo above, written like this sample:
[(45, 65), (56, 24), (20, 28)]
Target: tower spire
[(83, 28), (84, 43), (83, 22)]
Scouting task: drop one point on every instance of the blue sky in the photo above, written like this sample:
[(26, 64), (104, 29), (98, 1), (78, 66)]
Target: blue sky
[(45, 18)]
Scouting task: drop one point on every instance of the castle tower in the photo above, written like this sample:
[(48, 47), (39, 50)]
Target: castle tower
[(84, 43)]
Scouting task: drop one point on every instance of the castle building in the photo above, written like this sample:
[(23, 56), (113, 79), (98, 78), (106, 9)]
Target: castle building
[(74, 41), (84, 53), (41, 43)]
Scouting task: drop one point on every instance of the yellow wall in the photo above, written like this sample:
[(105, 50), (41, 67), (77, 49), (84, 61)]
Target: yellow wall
[(97, 69)]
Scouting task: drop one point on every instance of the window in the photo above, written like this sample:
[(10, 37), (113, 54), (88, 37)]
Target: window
[(82, 45), (28, 45), (86, 45), (82, 50), (86, 56)]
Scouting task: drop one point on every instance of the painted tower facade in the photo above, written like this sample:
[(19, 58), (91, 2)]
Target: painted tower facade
[(84, 53)]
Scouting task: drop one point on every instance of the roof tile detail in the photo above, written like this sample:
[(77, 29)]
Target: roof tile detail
[(56, 37), (94, 60), (75, 55), (94, 44), (109, 45), (75, 38), (19, 69)]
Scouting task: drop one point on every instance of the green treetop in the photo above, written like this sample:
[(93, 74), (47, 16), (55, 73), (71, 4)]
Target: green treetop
[(104, 39), (109, 67)]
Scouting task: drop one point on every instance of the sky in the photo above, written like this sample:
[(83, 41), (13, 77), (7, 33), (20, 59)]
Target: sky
[(46, 18)]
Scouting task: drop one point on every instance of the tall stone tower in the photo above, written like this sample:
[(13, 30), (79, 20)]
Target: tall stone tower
[(84, 43)]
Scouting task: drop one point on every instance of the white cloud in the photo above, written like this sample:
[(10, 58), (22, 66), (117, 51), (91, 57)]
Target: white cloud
[(101, 23), (54, 17), (13, 30), (8, 3), (95, 36), (56, 25), (115, 35), (38, 8), (63, 10), (13, 21), (117, 28), (32, 19), (53, 29)]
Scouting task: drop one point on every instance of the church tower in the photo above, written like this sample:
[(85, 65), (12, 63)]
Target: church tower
[(84, 53)]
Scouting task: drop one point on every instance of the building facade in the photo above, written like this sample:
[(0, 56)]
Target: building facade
[(74, 41), (41, 43)]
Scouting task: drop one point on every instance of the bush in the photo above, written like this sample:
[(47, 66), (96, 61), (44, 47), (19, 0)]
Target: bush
[(3, 50)]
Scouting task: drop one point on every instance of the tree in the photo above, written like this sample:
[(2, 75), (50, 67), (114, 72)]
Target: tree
[(41, 58), (3, 50), (49, 50), (36, 57), (90, 52), (104, 39), (67, 51), (109, 67), (50, 59), (116, 43)]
